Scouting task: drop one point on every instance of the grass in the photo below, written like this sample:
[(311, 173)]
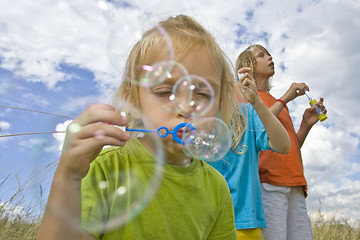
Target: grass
[(17, 223), (335, 230), (21, 228), (16, 229), (332, 229)]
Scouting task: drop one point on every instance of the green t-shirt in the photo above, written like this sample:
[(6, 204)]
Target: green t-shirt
[(142, 199)]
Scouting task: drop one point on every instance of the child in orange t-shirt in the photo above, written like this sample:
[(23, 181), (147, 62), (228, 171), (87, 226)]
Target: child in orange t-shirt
[(284, 186)]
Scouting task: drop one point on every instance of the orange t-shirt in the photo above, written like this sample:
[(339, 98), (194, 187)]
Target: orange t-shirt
[(282, 169)]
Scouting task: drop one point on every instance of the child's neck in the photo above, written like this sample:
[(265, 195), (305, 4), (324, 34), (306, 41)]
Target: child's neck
[(174, 158), (177, 160), (262, 84)]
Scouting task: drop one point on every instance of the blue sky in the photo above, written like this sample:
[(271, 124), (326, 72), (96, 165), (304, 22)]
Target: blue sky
[(60, 56)]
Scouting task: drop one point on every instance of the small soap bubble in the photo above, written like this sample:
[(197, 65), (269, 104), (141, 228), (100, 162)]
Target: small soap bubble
[(74, 127), (21, 54), (103, 185), (121, 190), (159, 72), (187, 162), (137, 134), (192, 97), (281, 16), (111, 14), (210, 141)]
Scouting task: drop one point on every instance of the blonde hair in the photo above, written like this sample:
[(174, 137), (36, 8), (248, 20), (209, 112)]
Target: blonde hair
[(247, 59), (185, 34)]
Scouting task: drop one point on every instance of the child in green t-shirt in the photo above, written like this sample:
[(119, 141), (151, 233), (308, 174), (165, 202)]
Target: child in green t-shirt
[(192, 200)]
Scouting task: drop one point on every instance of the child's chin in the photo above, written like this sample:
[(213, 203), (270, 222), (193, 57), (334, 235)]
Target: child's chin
[(175, 149)]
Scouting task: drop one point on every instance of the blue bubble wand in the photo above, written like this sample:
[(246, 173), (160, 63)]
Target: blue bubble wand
[(164, 131)]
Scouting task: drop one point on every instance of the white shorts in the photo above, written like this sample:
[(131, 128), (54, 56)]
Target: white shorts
[(286, 213)]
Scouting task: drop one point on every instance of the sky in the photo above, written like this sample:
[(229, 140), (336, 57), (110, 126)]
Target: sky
[(60, 56)]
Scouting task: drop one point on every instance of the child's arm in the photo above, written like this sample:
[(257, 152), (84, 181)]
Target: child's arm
[(279, 140), (294, 91), (309, 117), (84, 140)]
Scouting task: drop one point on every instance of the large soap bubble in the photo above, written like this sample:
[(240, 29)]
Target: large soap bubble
[(121, 185)]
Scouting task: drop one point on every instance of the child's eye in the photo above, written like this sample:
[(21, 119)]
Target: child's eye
[(161, 92), (204, 94)]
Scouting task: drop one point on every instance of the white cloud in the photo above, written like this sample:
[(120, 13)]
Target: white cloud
[(4, 125), (36, 99), (336, 201), (74, 33), (32, 142), (60, 137)]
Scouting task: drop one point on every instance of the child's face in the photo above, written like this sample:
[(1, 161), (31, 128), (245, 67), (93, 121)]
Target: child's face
[(264, 65), (198, 62)]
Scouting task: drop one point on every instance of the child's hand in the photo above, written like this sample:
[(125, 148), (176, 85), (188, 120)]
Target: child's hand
[(248, 87), (295, 90), (321, 105), (310, 116), (86, 136)]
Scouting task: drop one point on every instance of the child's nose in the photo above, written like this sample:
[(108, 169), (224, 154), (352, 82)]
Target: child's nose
[(185, 111)]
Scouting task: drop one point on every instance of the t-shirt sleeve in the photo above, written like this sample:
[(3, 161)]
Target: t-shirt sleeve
[(261, 137), (224, 228)]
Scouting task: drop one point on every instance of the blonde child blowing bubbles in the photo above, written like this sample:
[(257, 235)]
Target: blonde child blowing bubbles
[(192, 200)]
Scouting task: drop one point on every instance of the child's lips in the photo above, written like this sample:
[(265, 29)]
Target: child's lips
[(179, 134)]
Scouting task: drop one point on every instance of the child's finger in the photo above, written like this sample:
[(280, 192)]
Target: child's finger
[(101, 140), (242, 76), (101, 113), (245, 70), (101, 129), (246, 82), (249, 79), (299, 88), (306, 87), (321, 105)]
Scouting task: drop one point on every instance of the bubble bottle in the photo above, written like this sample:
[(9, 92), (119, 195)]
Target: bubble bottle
[(321, 115)]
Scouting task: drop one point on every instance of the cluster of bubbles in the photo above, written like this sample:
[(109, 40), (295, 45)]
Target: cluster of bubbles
[(192, 97)]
